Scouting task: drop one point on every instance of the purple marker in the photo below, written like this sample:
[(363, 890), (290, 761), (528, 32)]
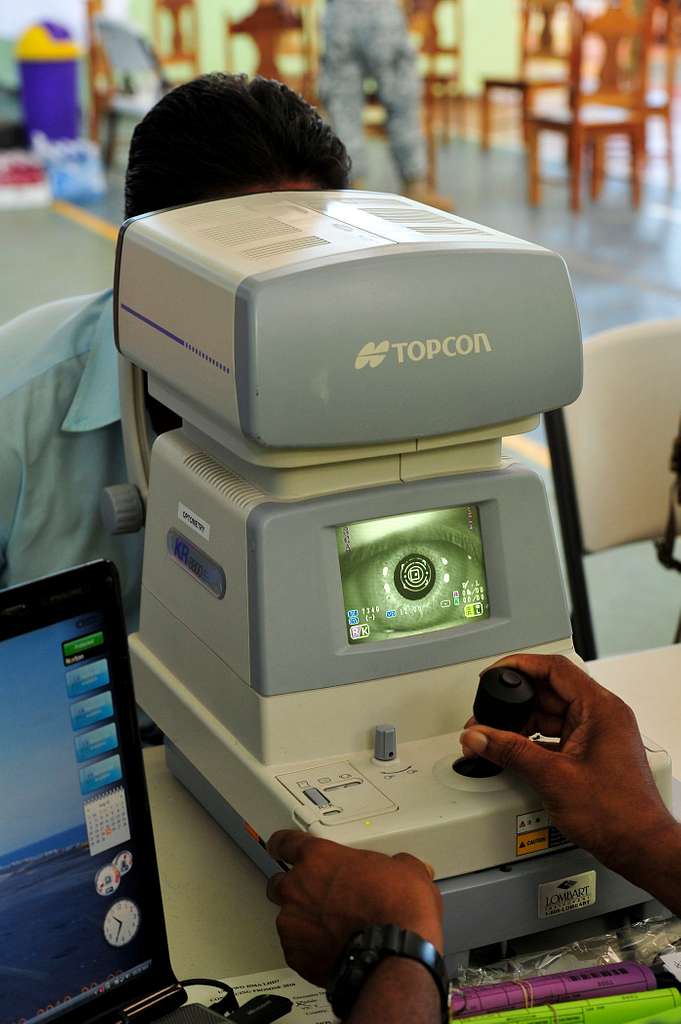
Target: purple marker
[(610, 980)]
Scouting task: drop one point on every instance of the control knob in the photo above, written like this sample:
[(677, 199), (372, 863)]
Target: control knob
[(505, 700)]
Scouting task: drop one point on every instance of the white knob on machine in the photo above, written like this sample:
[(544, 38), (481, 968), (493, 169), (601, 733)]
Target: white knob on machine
[(385, 743), (122, 509)]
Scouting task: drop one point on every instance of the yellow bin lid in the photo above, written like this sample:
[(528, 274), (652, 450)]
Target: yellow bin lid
[(46, 42)]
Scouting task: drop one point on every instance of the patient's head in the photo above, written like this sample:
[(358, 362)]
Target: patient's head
[(222, 135)]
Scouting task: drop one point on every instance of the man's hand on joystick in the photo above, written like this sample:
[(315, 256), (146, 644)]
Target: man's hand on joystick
[(595, 781), (505, 700)]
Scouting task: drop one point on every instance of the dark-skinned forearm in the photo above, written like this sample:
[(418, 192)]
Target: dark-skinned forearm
[(400, 991), (654, 863)]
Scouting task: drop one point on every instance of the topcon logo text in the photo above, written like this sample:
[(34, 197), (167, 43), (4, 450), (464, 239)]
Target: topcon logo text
[(374, 353)]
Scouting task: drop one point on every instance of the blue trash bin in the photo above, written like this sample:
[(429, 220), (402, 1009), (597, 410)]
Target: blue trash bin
[(48, 66)]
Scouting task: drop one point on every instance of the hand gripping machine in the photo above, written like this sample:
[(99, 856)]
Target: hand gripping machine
[(335, 547)]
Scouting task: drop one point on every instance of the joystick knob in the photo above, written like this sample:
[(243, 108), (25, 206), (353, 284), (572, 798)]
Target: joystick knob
[(505, 700)]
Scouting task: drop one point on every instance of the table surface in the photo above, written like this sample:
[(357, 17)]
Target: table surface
[(219, 921)]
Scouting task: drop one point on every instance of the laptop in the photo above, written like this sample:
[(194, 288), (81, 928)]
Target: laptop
[(82, 933)]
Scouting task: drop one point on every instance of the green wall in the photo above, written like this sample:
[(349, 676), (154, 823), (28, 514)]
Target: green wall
[(490, 36)]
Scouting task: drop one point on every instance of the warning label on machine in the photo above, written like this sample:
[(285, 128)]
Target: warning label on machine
[(534, 833), (532, 842)]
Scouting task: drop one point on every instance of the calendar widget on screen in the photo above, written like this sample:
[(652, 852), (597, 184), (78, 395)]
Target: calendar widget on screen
[(106, 819)]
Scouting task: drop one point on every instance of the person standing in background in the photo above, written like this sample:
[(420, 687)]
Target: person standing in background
[(370, 39)]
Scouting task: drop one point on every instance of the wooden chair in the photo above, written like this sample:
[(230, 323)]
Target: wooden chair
[(270, 27), (608, 76), (544, 59), (441, 68), (666, 44), (182, 17), (298, 55), (440, 62), (100, 79)]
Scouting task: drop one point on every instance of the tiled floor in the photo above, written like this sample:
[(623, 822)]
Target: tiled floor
[(625, 267)]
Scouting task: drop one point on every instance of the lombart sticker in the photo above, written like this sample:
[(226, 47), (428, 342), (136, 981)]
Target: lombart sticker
[(575, 892)]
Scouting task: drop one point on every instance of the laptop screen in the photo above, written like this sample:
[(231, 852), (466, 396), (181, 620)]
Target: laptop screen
[(80, 914)]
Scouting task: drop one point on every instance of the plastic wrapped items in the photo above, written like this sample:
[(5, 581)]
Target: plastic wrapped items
[(599, 950), (641, 942), (73, 166), (23, 182), (645, 940)]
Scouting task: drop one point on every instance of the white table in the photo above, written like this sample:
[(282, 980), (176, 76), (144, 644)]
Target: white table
[(219, 921), (650, 682)]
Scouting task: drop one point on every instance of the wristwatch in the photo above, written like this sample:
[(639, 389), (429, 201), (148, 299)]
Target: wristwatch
[(367, 949)]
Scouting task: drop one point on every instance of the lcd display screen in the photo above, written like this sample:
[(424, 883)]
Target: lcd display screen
[(72, 890), (411, 574)]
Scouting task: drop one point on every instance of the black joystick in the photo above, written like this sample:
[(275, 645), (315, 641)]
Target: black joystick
[(505, 700)]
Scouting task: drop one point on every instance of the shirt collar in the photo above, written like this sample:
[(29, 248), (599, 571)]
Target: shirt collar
[(96, 401)]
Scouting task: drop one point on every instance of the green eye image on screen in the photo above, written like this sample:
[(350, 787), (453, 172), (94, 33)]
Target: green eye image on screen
[(412, 574)]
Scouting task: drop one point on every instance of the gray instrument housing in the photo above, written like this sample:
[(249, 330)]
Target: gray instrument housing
[(296, 613), (296, 387), (271, 343)]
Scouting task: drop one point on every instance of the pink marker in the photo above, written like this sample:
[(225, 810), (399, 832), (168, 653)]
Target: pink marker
[(610, 980)]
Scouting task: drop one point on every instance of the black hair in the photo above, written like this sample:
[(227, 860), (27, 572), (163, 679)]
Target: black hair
[(222, 135)]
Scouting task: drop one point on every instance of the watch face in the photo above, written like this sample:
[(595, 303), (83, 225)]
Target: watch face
[(121, 923)]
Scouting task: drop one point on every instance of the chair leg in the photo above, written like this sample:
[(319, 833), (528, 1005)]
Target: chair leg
[(457, 116), (110, 143), (576, 151), (525, 108), (669, 126), (598, 167), (431, 141), (431, 151), (533, 172), (637, 143), (484, 118)]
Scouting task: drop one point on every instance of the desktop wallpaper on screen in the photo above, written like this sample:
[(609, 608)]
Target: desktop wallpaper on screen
[(70, 922)]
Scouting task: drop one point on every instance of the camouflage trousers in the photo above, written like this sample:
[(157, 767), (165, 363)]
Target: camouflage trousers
[(368, 39)]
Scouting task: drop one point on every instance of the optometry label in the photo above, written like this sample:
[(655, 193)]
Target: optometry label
[(567, 894), (194, 522)]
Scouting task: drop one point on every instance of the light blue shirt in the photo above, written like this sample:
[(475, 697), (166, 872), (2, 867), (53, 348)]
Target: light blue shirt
[(61, 443)]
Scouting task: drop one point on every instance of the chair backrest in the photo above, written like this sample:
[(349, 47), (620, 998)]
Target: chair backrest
[(620, 432), (127, 51), (437, 26), (610, 53), (267, 26), (545, 33), (176, 33)]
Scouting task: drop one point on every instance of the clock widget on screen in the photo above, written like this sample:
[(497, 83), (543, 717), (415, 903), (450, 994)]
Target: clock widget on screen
[(121, 923)]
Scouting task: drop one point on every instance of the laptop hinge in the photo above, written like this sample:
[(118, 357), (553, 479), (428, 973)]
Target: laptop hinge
[(153, 1006)]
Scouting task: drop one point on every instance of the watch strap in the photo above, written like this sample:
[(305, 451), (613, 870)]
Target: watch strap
[(370, 947)]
